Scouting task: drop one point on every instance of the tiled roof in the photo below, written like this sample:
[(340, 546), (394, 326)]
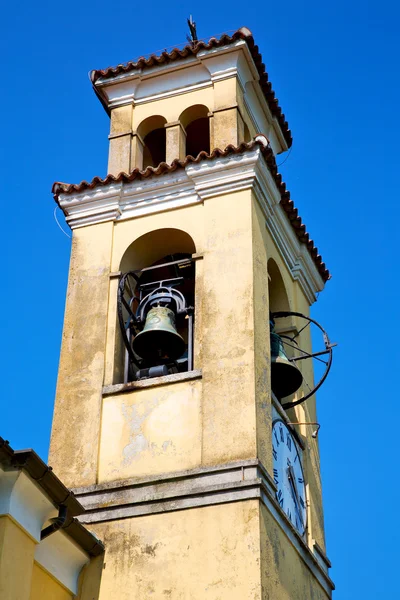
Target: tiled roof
[(286, 202), (191, 50)]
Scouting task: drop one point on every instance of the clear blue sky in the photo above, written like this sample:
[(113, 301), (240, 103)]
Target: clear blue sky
[(334, 67)]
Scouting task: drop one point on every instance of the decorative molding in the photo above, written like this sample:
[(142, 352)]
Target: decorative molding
[(62, 558), (207, 486), (320, 555), (119, 388), (25, 502), (112, 136), (99, 205), (194, 184)]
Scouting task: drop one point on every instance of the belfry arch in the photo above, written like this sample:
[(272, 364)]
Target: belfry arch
[(153, 246), (278, 298), (196, 122), (157, 260), (153, 134)]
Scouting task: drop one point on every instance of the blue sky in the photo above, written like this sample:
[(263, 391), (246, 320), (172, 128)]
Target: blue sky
[(334, 67)]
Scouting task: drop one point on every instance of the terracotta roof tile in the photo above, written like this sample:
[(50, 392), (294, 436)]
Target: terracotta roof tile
[(191, 50), (286, 202)]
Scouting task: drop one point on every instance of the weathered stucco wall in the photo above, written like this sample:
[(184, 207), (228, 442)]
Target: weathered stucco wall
[(207, 553), (215, 422), (262, 379), (76, 420), (151, 431), (284, 575), (228, 331), (224, 417)]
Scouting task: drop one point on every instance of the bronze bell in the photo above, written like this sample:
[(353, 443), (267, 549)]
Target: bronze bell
[(285, 376), (159, 338)]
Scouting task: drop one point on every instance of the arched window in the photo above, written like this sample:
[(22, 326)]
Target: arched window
[(153, 134), (157, 282), (196, 123)]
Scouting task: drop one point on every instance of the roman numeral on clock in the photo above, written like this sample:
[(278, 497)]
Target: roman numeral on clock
[(276, 475)]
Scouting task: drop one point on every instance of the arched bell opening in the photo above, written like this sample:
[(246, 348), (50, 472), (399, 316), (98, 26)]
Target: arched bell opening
[(153, 134), (286, 377), (156, 305), (196, 122), (278, 298)]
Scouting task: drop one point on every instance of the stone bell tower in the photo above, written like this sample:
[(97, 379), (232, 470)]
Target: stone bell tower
[(172, 452)]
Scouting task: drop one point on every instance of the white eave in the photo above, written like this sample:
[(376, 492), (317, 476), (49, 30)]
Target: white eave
[(191, 185)]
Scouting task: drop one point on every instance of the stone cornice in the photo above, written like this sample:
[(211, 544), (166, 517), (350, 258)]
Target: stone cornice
[(231, 482), (195, 184)]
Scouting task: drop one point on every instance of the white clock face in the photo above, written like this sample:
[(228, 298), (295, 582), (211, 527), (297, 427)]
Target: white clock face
[(289, 476)]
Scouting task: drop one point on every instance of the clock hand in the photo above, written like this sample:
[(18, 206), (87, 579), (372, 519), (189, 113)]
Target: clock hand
[(292, 481)]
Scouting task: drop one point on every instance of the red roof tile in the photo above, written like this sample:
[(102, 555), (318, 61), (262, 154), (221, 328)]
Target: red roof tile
[(191, 50), (286, 202)]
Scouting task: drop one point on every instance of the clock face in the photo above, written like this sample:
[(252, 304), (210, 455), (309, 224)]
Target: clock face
[(289, 476)]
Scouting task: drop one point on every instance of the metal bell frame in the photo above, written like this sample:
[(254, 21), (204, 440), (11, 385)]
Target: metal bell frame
[(155, 293), (304, 355)]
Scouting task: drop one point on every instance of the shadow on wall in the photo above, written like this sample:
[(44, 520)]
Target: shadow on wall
[(153, 133), (196, 122)]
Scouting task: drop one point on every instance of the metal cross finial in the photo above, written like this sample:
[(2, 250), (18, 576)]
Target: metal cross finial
[(193, 33)]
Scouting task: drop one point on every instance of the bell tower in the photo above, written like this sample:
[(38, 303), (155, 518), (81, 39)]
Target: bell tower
[(190, 271)]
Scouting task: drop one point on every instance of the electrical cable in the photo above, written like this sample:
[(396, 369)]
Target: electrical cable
[(291, 147), (56, 220)]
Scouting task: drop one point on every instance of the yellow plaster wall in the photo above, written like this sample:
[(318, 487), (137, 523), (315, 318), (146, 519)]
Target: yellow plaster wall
[(261, 337), (222, 231), (45, 587), (151, 431), (76, 419), (90, 579), (120, 143), (284, 574), (205, 553), (219, 416), (16, 561), (227, 331), (171, 108)]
